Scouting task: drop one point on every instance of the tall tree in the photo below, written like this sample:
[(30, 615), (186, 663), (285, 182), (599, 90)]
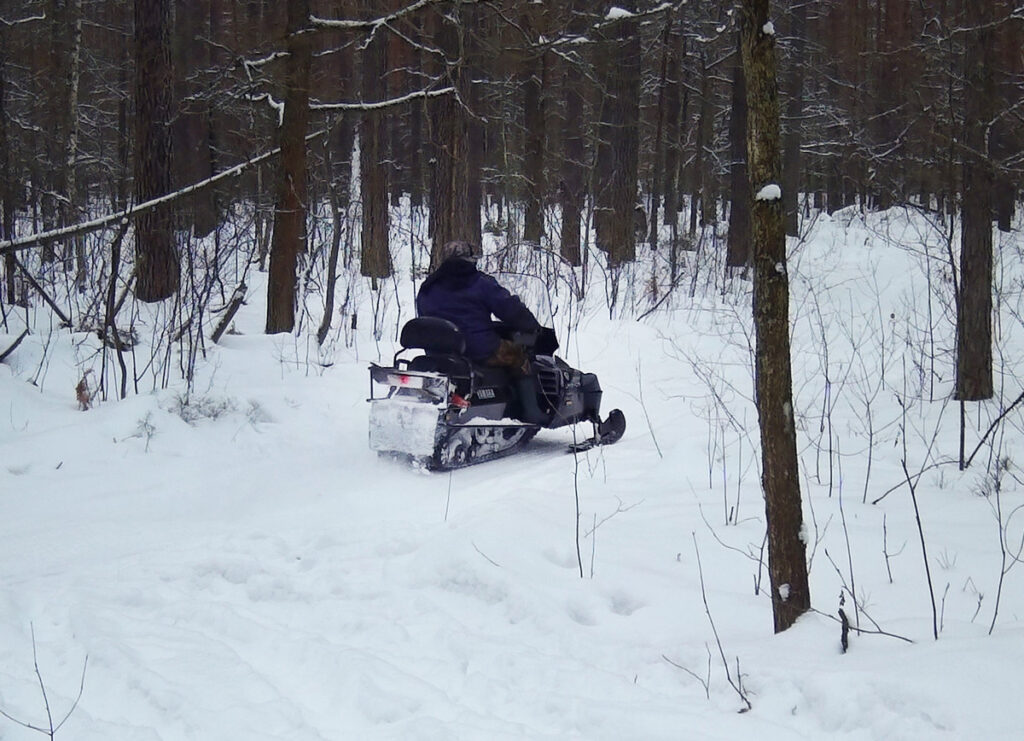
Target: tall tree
[(974, 308), (791, 167), (289, 239), (157, 265), (787, 561), (619, 134), (373, 169), (572, 187), (534, 76), (7, 206), (659, 136), (451, 198), (737, 252)]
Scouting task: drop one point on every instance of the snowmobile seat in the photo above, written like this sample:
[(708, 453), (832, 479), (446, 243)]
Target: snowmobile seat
[(444, 345), (450, 365), (434, 335)]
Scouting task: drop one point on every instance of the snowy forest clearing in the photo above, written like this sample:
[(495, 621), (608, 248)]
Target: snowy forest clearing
[(233, 562)]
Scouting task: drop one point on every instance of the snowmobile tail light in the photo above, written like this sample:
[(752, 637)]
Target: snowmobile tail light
[(459, 402), (403, 380)]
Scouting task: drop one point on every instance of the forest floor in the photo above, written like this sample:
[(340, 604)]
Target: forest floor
[(232, 561)]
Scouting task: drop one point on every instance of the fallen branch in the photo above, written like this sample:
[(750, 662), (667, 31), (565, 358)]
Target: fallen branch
[(8, 351), (237, 299)]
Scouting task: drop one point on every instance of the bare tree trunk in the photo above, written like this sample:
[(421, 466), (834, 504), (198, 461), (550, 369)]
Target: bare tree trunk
[(614, 217), (792, 163), (572, 188), (699, 193), (71, 204), (6, 176), (657, 175), (451, 206), (787, 564), (373, 168), (417, 114), (290, 215), (974, 309), (158, 273), (673, 128), (533, 163), (338, 176), (534, 74), (738, 246)]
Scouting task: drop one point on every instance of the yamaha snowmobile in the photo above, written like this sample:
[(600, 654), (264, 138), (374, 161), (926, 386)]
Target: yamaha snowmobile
[(444, 411)]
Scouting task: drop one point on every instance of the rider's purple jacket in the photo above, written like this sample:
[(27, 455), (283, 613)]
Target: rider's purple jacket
[(460, 293)]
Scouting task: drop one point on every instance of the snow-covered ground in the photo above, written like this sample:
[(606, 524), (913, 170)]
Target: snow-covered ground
[(236, 564)]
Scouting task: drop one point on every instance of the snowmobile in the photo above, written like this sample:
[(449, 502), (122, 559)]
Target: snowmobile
[(443, 411)]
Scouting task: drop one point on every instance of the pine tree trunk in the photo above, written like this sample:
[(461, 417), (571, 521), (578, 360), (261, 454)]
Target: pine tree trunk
[(373, 167), (657, 176), (289, 239), (738, 246), (792, 163), (572, 188), (533, 160), (156, 256), (534, 76), (787, 565), (6, 177), (614, 216), (673, 126), (974, 309)]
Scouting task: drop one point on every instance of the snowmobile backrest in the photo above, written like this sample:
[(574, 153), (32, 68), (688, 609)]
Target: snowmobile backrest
[(434, 335)]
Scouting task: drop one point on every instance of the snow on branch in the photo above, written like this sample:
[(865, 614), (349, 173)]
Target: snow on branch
[(19, 21), (770, 192), (616, 13), (376, 105), (369, 25)]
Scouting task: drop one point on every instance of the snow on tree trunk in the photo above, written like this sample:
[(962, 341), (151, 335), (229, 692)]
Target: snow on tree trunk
[(787, 564)]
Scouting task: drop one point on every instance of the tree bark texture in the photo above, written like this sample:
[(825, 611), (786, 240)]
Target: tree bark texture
[(289, 239), (618, 148), (534, 75), (157, 265), (533, 164), (673, 127), (659, 137), (573, 185), (452, 201), (7, 206), (974, 309), (737, 252), (373, 169), (792, 165), (787, 564)]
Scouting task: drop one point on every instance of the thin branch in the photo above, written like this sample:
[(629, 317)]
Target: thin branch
[(714, 630), (991, 427), (489, 559)]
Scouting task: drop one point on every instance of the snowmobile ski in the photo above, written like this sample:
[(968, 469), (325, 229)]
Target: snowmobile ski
[(607, 433)]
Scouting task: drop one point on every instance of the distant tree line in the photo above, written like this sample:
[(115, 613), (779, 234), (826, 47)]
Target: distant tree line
[(562, 118)]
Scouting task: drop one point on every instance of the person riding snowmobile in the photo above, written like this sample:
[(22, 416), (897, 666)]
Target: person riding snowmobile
[(462, 294)]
